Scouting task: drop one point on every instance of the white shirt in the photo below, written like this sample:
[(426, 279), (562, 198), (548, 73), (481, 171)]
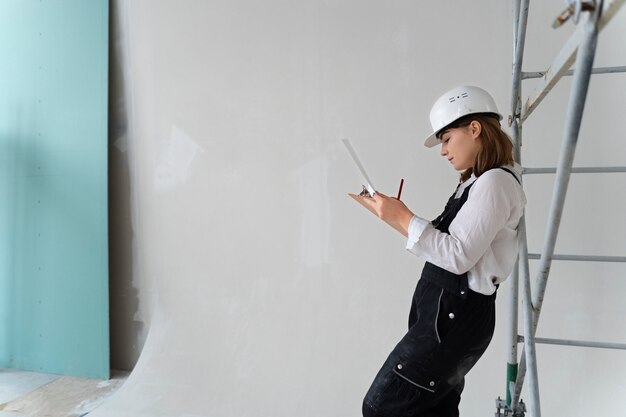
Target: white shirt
[(483, 235)]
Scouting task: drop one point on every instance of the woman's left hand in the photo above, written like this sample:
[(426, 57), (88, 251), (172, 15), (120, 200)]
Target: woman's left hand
[(390, 210)]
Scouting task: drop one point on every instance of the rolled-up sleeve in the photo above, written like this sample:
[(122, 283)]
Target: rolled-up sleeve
[(416, 228)]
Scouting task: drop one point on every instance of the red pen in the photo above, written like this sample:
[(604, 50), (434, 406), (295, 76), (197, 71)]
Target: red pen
[(400, 190)]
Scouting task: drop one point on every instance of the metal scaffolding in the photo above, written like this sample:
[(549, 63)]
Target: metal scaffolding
[(591, 17)]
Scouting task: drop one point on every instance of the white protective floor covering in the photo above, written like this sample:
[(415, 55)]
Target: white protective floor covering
[(30, 394)]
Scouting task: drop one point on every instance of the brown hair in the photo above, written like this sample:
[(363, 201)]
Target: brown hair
[(496, 148)]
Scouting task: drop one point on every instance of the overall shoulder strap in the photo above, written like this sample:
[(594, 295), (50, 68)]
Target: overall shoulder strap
[(512, 173)]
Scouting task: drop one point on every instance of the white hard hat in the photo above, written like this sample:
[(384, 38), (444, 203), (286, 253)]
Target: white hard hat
[(456, 103)]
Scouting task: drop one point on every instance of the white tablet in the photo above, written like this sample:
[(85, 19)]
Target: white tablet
[(368, 183)]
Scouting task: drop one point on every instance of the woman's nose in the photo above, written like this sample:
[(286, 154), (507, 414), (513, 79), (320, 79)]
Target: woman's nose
[(444, 149)]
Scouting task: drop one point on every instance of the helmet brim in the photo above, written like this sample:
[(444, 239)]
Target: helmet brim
[(432, 141)]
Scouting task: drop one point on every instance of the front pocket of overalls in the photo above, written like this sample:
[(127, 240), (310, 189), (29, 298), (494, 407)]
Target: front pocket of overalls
[(449, 312), (416, 378)]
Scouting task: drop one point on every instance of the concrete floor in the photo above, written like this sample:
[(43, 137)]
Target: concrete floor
[(31, 394)]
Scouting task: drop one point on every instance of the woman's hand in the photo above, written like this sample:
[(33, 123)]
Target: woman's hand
[(390, 210)]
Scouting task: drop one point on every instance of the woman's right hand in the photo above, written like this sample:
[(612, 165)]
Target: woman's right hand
[(390, 210)]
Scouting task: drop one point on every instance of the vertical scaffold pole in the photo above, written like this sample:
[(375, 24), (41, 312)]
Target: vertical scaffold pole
[(520, 20)]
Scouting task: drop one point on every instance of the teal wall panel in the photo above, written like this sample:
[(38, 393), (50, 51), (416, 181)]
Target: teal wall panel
[(53, 186)]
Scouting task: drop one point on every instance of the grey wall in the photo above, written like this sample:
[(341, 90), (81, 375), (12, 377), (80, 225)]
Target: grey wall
[(265, 289)]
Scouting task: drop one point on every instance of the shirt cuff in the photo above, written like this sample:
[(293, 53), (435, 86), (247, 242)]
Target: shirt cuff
[(416, 228)]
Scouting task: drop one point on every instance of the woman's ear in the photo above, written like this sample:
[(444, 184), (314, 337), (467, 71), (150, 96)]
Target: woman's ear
[(475, 128)]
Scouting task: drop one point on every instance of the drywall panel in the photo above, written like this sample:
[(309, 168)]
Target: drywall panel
[(266, 290), (53, 217)]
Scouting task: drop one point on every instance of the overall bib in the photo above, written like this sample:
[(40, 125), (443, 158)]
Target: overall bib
[(450, 327)]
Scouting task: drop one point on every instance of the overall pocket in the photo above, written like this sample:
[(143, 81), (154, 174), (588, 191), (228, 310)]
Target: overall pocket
[(416, 378), (450, 312)]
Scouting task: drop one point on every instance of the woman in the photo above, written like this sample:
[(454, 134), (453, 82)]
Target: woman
[(469, 250)]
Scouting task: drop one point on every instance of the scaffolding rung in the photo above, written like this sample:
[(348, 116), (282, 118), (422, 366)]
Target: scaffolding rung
[(600, 70), (565, 58), (579, 343), (589, 258), (580, 170)]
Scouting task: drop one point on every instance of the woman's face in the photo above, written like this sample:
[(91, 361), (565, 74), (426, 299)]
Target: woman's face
[(460, 145)]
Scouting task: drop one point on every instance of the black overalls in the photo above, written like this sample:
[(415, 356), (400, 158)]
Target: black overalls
[(450, 327)]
